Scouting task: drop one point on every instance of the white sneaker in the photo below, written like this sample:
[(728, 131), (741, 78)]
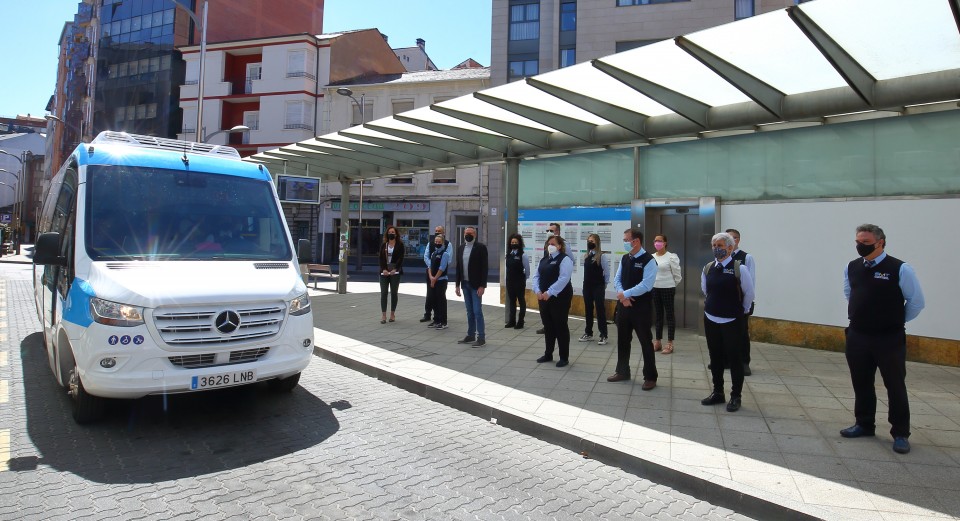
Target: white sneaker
[(586, 338), (602, 341)]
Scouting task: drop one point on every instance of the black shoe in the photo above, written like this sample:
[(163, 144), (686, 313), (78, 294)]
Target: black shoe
[(734, 404), (856, 431), (509, 324), (544, 358), (466, 340), (901, 445), (519, 325), (563, 362), (713, 399), (431, 324), (479, 343), (541, 331), (746, 370), (426, 318)]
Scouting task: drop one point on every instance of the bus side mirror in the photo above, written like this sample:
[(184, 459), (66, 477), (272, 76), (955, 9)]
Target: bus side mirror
[(47, 250), (303, 251)]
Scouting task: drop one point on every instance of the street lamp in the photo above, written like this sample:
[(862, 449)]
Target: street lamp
[(55, 119), (203, 56), (17, 199), (344, 91), (238, 128)]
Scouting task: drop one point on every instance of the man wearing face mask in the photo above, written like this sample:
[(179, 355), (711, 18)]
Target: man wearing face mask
[(883, 294), (429, 304), (746, 260), (728, 287), (552, 229), (472, 277), (634, 285)]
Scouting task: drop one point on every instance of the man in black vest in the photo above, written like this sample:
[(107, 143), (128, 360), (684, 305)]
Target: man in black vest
[(553, 229), (728, 287), (429, 304), (634, 285), (883, 294), (745, 260)]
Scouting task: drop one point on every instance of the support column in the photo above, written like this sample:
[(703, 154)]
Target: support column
[(511, 203), (344, 234)]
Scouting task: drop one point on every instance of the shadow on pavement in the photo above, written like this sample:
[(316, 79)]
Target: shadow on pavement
[(161, 438)]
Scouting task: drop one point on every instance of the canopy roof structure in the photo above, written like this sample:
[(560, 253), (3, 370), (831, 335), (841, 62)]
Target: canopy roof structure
[(801, 64)]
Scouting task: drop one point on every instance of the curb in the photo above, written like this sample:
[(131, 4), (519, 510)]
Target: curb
[(714, 489)]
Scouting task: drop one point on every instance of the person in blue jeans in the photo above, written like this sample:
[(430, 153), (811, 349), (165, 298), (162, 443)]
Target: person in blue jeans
[(472, 280)]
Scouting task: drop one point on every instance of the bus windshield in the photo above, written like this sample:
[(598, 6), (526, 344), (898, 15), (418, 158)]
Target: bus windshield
[(143, 213)]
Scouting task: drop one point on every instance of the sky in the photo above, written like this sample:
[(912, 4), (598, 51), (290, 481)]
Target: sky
[(460, 30)]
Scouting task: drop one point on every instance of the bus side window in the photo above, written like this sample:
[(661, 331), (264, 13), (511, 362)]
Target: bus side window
[(64, 219)]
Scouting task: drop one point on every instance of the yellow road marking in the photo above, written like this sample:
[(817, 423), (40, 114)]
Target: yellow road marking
[(4, 449), (4, 391)]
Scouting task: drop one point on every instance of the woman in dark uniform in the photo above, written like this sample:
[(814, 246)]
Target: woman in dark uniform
[(517, 266)]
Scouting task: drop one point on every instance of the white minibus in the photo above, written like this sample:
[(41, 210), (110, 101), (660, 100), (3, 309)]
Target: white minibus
[(164, 266)]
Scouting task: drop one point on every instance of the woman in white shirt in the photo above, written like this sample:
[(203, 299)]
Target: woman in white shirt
[(664, 290)]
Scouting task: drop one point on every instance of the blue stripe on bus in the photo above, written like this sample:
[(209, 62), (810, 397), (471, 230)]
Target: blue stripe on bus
[(76, 308)]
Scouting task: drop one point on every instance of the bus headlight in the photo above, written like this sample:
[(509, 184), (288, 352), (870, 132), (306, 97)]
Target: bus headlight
[(115, 314), (300, 305)]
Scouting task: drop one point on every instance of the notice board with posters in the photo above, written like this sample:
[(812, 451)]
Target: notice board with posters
[(576, 224)]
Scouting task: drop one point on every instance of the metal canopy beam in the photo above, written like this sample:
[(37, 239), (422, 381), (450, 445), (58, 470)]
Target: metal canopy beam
[(331, 166), (277, 166), (421, 150), (693, 110), (861, 81), (955, 7), (536, 137), (574, 127), (499, 143), (349, 154), (294, 165), (628, 119), (321, 155), (757, 90), (366, 148)]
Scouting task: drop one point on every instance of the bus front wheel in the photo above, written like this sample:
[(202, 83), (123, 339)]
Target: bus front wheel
[(85, 407)]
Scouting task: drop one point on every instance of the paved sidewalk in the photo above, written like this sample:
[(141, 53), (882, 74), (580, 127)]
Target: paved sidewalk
[(780, 454)]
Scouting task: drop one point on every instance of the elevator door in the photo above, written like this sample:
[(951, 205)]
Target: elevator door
[(681, 226)]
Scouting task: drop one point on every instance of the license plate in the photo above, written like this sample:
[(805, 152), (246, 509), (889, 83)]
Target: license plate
[(223, 379)]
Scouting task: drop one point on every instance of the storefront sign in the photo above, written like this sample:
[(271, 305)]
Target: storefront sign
[(387, 206)]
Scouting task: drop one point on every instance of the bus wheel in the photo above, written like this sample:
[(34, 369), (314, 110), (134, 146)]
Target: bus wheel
[(85, 407), (285, 385)]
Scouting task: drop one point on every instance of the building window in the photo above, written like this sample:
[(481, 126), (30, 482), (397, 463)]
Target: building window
[(445, 177), (403, 180), (402, 106), (742, 9), (621, 3), (521, 68), (367, 112), (568, 57), (300, 64), (568, 16), (525, 22), (296, 115)]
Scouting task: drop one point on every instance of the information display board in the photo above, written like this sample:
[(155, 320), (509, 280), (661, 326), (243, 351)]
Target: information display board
[(576, 224)]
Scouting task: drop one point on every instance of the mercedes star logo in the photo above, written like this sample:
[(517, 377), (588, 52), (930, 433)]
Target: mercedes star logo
[(227, 322)]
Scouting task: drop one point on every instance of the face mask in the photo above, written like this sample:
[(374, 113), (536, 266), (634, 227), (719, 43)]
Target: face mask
[(591, 246), (468, 238), (549, 233), (391, 236), (514, 245), (438, 244), (865, 249), (552, 249), (719, 253), (658, 245), (627, 245)]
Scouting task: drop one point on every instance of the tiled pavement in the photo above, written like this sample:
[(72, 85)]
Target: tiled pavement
[(783, 446)]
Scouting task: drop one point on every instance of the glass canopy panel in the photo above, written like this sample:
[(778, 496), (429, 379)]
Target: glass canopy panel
[(892, 38), (787, 60), (586, 79), (472, 105), (362, 132), (520, 92), (671, 67), (432, 116)]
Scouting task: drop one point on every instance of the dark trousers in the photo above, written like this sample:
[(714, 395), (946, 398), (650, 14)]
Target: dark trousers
[(725, 344), (555, 311), (745, 352), (516, 294), (663, 305), (635, 320), (391, 283), (593, 297), (429, 304), (887, 352), (439, 294)]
